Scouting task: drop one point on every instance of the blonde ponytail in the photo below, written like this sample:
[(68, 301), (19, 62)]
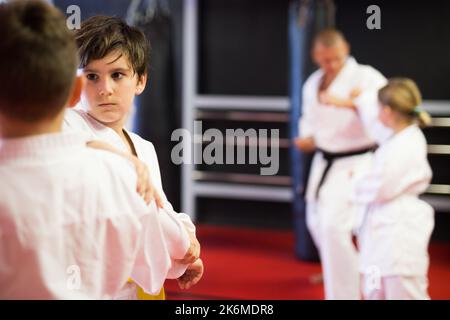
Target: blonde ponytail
[(424, 119), (403, 96)]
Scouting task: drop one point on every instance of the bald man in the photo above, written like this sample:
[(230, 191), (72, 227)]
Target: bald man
[(331, 125)]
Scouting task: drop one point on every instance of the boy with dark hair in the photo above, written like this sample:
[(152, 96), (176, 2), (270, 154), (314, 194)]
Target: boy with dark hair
[(71, 224), (114, 58)]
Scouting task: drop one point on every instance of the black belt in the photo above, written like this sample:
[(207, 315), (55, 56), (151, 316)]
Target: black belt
[(330, 157)]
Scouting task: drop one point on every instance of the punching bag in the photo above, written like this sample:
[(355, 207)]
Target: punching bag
[(306, 18)]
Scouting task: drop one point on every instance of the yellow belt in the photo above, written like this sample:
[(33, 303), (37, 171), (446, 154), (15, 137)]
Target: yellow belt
[(142, 295)]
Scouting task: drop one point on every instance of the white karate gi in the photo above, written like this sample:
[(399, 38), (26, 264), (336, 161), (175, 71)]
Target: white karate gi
[(80, 120), (72, 225), (331, 217), (397, 225)]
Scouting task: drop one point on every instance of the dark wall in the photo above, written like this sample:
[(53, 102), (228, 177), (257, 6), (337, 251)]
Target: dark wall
[(90, 8), (414, 40), (243, 44), (243, 47)]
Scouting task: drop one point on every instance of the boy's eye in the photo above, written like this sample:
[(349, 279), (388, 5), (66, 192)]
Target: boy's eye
[(92, 76), (117, 75)]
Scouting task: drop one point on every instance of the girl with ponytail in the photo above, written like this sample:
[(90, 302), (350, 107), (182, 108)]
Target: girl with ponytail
[(401, 103), (397, 225)]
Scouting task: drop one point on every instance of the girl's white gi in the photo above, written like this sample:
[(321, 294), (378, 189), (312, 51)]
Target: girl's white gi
[(397, 225)]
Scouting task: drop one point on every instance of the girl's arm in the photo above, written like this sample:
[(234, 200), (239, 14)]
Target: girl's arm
[(349, 103)]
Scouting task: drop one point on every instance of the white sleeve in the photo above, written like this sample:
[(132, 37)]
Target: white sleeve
[(306, 124), (372, 79), (155, 174), (389, 177), (74, 121), (175, 234), (184, 218), (162, 239), (368, 108), (175, 229), (168, 213)]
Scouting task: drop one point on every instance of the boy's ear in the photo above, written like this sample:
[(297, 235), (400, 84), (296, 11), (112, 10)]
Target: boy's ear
[(348, 47), (142, 81), (75, 95)]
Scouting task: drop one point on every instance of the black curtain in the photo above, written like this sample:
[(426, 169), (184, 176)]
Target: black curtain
[(158, 111)]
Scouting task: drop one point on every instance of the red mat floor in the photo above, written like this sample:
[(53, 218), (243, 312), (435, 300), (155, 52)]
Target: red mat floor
[(260, 264)]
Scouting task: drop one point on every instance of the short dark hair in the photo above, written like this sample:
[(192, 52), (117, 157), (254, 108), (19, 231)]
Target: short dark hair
[(101, 35), (38, 60)]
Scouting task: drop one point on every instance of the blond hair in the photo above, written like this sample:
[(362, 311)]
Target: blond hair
[(403, 96)]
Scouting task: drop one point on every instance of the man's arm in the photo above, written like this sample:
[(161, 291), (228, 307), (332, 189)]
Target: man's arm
[(305, 144), (305, 141)]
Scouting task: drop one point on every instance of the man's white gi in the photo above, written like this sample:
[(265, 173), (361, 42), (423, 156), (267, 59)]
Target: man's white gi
[(331, 216)]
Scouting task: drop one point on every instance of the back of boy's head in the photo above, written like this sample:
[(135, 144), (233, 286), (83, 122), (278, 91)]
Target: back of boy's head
[(102, 35), (38, 60)]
